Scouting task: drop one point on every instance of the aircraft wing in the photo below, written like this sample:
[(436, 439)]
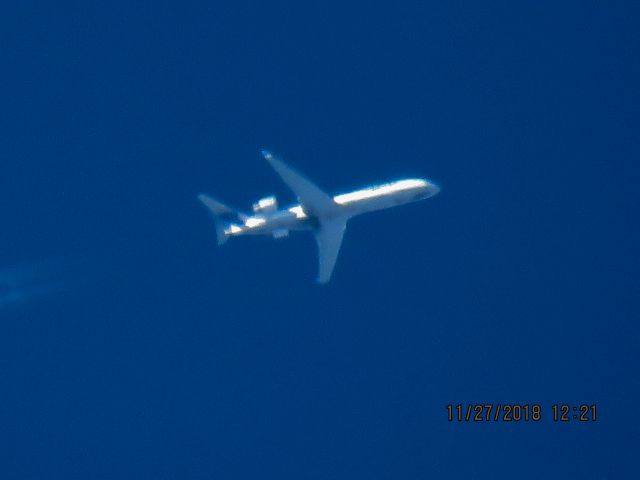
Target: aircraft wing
[(313, 199), (329, 238)]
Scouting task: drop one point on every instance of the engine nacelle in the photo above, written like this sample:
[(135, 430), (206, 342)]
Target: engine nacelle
[(266, 205)]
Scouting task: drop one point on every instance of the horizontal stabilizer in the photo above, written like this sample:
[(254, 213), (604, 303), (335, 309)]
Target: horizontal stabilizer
[(217, 208)]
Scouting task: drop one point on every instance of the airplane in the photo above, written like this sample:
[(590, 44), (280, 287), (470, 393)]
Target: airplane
[(317, 211)]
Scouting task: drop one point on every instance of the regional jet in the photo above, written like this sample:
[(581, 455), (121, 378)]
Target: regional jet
[(317, 211)]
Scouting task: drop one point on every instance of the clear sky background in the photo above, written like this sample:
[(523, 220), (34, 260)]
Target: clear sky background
[(131, 346)]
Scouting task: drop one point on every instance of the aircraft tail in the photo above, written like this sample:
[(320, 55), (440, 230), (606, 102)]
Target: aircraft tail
[(222, 216)]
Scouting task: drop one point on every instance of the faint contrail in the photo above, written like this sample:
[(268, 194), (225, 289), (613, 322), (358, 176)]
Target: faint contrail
[(22, 283)]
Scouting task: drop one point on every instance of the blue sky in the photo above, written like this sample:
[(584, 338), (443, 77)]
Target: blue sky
[(139, 349)]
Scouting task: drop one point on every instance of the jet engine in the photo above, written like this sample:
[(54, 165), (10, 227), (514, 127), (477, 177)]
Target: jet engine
[(266, 205)]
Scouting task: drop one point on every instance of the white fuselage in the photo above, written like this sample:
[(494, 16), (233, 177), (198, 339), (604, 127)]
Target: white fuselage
[(377, 197)]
